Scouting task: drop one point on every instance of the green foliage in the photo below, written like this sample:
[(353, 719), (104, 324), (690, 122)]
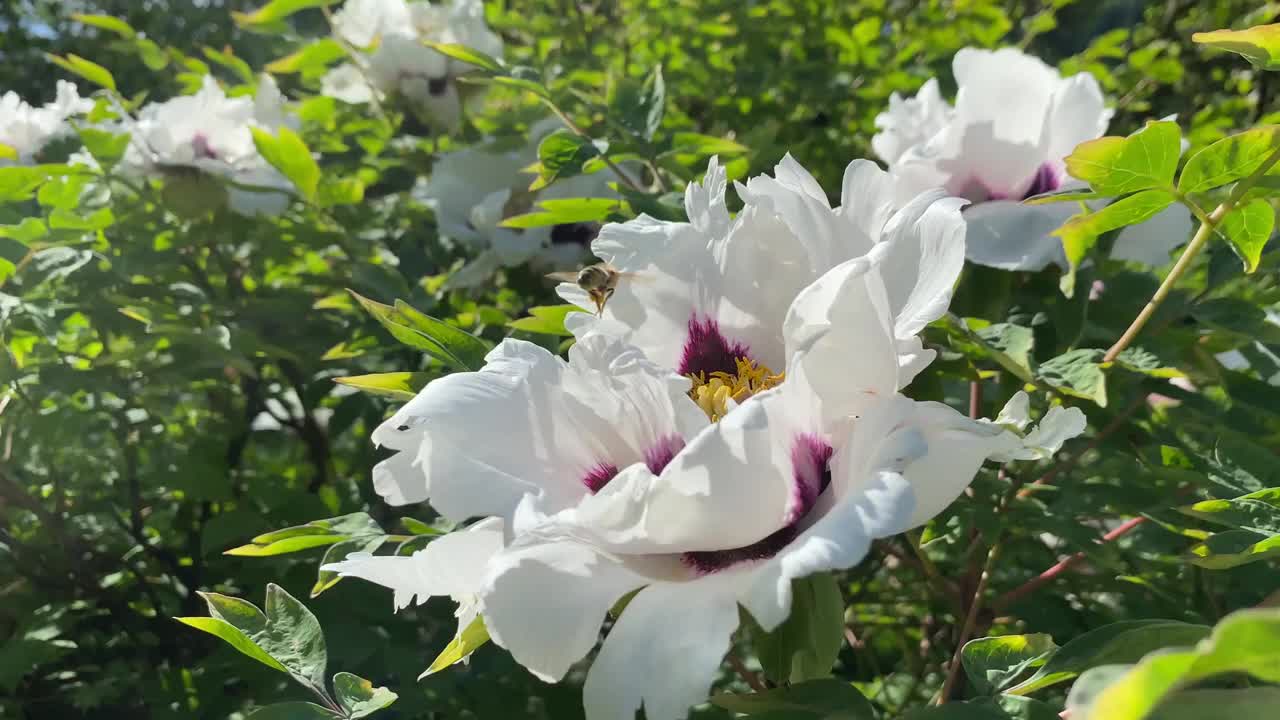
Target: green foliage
[(817, 699), (1259, 45), (805, 645)]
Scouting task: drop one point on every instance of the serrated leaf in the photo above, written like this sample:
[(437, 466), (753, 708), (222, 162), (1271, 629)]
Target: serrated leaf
[(805, 645), (1118, 166), (395, 385), (992, 663), (1115, 643), (1259, 45), (358, 697), (286, 152), (1077, 373), (1247, 229), (1229, 159), (1247, 641), (465, 643), (827, 698), (86, 69)]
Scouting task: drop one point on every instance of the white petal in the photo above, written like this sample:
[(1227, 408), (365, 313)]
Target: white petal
[(704, 202), (1151, 242), (453, 565), (545, 601), (1016, 413), (1056, 427), (346, 83), (664, 652), (910, 122), (1012, 236), (1078, 114), (1006, 89), (867, 202), (927, 246)]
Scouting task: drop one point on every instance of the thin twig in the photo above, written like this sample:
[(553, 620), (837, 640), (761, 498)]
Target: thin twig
[(970, 621), (573, 127), (1064, 565), (975, 399)]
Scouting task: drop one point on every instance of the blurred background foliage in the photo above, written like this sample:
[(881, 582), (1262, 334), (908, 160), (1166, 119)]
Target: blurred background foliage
[(171, 377)]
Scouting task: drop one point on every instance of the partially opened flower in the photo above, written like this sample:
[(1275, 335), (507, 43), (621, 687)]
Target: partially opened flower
[(25, 129), (394, 61), (208, 135), (474, 189), (707, 298), (1015, 120)]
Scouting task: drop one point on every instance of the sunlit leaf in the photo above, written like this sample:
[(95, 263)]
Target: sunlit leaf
[(358, 697), (466, 642), (1259, 45)]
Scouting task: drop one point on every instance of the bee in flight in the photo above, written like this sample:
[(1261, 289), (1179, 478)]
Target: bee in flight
[(599, 280)]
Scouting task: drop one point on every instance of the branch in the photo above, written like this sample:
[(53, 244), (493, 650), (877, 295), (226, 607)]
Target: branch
[(1066, 564)]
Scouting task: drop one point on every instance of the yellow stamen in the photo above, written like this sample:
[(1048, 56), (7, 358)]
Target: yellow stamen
[(713, 394)]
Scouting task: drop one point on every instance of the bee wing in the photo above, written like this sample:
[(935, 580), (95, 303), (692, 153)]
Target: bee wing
[(639, 277), (569, 277)]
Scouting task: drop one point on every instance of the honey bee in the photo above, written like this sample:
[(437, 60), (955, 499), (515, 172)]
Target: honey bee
[(599, 280)]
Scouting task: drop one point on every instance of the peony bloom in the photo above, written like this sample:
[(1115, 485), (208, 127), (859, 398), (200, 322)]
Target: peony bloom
[(707, 488), (210, 133), (26, 129), (1015, 119), (395, 61), (474, 189)]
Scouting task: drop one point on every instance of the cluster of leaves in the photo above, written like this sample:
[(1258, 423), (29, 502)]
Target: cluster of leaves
[(177, 378)]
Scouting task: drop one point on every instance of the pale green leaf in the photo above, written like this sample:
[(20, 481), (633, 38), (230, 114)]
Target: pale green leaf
[(235, 638), (465, 643), (1229, 159), (992, 663), (1077, 373), (1247, 229), (358, 697), (287, 153), (86, 69), (394, 385), (828, 698), (1259, 45), (804, 647), (1117, 166)]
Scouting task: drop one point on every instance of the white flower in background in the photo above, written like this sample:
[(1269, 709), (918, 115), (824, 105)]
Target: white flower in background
[(26, 129), (210, 132), (701, 488), (714, 291), (474, 189), (1015, 119), (395, 62), (454, 565)]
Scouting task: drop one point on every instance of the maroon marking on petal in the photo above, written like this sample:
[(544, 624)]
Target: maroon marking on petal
[(599, 476), (1047, 179), (201, 148), (660, 454), (707, 351), (811, 468)]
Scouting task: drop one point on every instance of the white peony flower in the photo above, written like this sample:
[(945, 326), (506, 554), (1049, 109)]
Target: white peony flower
[(474, 189), (27, 129), (210, 133), (397, 63), (700, 296), (1015, 119)]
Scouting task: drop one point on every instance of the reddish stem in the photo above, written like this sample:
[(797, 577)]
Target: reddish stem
[(975, 399), (1048, 576), (743, 672)]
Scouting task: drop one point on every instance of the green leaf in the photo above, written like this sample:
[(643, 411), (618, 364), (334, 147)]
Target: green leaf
[(639, 106), (19, 182), (827, 698), (1081, 232), (992, 663), (546, 320), (153, 56), (293, 637), (1002, 707), (293, 711), (27, 231), (106, 22), (562, 154), (467, 55), (1247, 641), (276, 10), (567, 210), (1230, 159), (63, 219), (465, 643), (699, 144), (1118, 166), (1077, 373), (1257, 511), (1013, 342), (318, 54), (395, 385), (233, 637), (106, 147), (86, 69), (1135, 359), (358, 697), (1063, 196), (1115, 643), (1257, 703), (338, 552), (1233, 548), (444, 342), (228, 60), (1247, 229), (285, 546), (805, 645), (340, 191), (1259, 45), (316, 533), (287, 153), (8, 152)]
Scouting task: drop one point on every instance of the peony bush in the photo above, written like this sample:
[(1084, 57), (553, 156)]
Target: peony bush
[(707, 360)]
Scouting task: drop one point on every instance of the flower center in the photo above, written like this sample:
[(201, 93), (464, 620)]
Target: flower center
[(712, 393), (707, 350), (811, 474)]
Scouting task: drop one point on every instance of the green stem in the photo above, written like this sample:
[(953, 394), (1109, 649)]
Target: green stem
[(573, 127), (1207, 227)]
